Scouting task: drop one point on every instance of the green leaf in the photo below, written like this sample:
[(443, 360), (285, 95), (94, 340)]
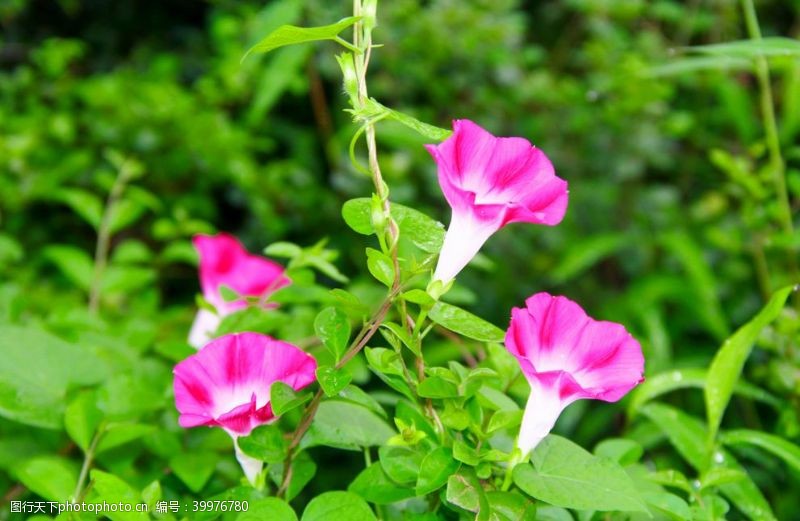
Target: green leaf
[(504, 420), (374, 485), (333, 329), (424, 129), (465, 491), (270, 508), (81, 419), (380, 266), (716, 476), (703, 281), (290, 34), (50, 477), (770, 46), (36, 370), (730, 359), (435, 469), (669, 381), (73, 262), (109, 488), (512, 506), (265, 443), (401, 464), (346, 425), (332, 380), (436, 387), (194, 468), (785, 450), (117, 434), (84, 203), (283, 398), (685, 433), (338, 505), (688, 435), (287, 250), (584, 254), (625, 452), (425, 233), (465, 323), (668, 504), (303, 470), (694, 64), (563, 474)]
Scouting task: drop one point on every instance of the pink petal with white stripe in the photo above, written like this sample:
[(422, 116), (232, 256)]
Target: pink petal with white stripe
[(227, 383), (490, 182), (225, 262), (566, 356)]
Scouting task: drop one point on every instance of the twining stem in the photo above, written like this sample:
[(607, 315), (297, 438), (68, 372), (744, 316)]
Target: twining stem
[(88, 459), (104, 237), (776, 161), (356, 346)]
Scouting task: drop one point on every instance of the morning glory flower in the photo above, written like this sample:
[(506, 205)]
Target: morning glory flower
[(225, 262), (566, 356), (489, 182), (227, 384)]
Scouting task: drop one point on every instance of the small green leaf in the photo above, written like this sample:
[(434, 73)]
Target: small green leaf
[(287, 250), (84, 203), (787, 451), (194, 468), (716, 476), (375, 486), (283, 398), (270, 508), (333, 329), (465, 491), (465, 323), (670, 505), (303, 470), (504, 420), (117, 434), (418, 296), (512, 506), (730, 359), (436, 387), (111, 489), (266, 443), (81, 419), (625, 452), (686, 433), (73, 262), (346, 425), (770, 46), (332, 380), (425, 233), (401, 464), (338, 505), (380, 266), (435, 469), (563, 474), (50, 477), (290, 34)]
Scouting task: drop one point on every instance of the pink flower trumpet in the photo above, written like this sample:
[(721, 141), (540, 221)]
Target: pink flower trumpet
[(489, 182), (225, 262), (566, 355), (227, 384)]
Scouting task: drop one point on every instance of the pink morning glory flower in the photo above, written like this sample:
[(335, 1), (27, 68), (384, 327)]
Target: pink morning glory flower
[(227, 384), (489, 182), (566, 355), (225, 262)]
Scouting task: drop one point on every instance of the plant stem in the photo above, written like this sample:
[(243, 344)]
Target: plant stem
[(88, 459), (104, 238), (356, 346), (777, 164)]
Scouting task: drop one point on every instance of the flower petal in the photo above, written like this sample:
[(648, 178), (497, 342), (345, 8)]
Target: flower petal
[(543, 408), (204, 325), (224, 261), (228, 382)]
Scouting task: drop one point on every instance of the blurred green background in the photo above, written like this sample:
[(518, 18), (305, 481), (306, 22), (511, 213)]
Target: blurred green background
[(672, 229)]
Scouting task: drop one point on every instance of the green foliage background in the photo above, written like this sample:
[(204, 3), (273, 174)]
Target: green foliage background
[(674, 228)]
